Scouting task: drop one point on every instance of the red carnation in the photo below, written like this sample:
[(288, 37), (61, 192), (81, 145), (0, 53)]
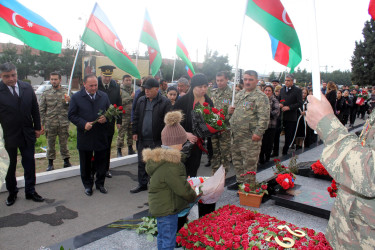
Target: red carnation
[(215, 110), (247, 189), (219, 122), (114, 105), (205, 104), (264, 187), (120, 108), (123, 111), (206, 111), (283, 100), (222, 116)]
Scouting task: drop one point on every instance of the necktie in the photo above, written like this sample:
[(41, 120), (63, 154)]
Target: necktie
[(92, 96), (106, 87), (14, 91)]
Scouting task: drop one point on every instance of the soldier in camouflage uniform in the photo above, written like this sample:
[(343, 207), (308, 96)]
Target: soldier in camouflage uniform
[(351, 162), (163, 87), (248, 123), (53, 108), (4, 159), (221, 142), (127, 95)]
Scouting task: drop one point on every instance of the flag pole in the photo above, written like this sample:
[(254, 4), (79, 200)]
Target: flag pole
[(74, 64), (174, 65), (136, 65), (315, 56), (238, 57)]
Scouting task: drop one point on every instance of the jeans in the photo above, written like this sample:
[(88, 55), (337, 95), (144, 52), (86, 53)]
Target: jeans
[(167, 229)]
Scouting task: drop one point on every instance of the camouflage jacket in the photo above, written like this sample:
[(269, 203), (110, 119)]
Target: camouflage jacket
[(352, 221), (4, 159), (53, 108), (252, 113), (127, 99), (221, 97), (163, 92)]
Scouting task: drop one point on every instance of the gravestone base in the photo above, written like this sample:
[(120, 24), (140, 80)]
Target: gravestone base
[(306, 199)]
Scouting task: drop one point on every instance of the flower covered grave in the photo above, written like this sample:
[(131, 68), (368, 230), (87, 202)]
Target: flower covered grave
[(232, 227)]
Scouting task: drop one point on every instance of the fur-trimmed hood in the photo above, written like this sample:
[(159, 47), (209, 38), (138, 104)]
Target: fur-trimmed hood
[(162, 154), (154, 158)]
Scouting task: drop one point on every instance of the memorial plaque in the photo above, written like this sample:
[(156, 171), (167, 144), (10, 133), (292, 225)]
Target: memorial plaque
[(307, 200)]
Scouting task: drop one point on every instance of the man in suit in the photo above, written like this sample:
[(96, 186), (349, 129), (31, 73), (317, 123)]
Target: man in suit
[(20, 120), (112, 89), (92, 138), (290, 102)]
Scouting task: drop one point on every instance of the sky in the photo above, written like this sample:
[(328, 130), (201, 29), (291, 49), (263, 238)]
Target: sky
[(216, 25)]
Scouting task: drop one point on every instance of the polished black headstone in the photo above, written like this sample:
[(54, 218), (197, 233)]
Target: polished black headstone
[(307, 200)]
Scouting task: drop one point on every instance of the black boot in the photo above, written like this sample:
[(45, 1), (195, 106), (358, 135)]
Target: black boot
[(208, 164), (50, 165), (119, 153), (130, 150), (67, 163)]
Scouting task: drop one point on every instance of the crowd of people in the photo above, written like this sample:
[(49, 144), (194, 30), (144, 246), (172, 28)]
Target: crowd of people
[(258, 117)]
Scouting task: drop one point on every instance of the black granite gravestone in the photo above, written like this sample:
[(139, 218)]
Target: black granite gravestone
[(306, 199)]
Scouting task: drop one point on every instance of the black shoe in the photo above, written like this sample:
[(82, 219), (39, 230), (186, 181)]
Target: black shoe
[(138, 189), (35, 197), (50, 165), (108, 174), (88, 191), (208, 164), (119, 153), (275, 155), (233, 186), (102, 189), (67, 163), (11, 199), (130, 150)]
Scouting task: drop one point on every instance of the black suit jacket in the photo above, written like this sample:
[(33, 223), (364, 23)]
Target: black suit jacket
[(19, 117), (293, 99), (83, 109)]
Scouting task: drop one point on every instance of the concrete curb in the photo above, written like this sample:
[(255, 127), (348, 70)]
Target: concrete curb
[(71, 172)]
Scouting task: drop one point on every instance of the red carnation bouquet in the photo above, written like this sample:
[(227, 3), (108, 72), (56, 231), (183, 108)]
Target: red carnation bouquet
[(332, 190), (111, 113), (318, 168), (213, 117), (257, 188), (362, 97), (286, 181)]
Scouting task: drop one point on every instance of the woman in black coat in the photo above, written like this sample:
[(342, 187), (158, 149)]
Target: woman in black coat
[(196, 94), (348, 107), (340, 105), (331, 94)]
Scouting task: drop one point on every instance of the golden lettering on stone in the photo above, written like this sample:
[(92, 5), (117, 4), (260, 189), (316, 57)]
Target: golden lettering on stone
[(297, 233)]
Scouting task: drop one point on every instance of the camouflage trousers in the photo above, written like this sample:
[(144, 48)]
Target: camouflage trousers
[(51, 133), (245, 156), (126, 128), (221, 147)]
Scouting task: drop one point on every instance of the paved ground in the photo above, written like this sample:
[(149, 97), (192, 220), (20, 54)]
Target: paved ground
[(70, 218)]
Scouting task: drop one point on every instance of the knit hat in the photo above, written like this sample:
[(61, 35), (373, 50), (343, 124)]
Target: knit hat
[(198, 80), (173, 133)]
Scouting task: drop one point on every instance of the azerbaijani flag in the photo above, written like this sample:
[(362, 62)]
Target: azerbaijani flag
[(100, 35), (182, 52), (272, 16), (148, 37), (371, 9), (18, 21)]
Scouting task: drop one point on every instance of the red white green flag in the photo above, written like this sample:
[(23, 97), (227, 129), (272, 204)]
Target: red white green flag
[(18, 21), (148, 37), (272, 16), (182, 52), (100, 35)]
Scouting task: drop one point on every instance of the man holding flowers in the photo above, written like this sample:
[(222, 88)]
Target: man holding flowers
[(248, 122)]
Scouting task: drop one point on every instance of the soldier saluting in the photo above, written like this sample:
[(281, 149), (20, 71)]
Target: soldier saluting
[(54, 106)]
